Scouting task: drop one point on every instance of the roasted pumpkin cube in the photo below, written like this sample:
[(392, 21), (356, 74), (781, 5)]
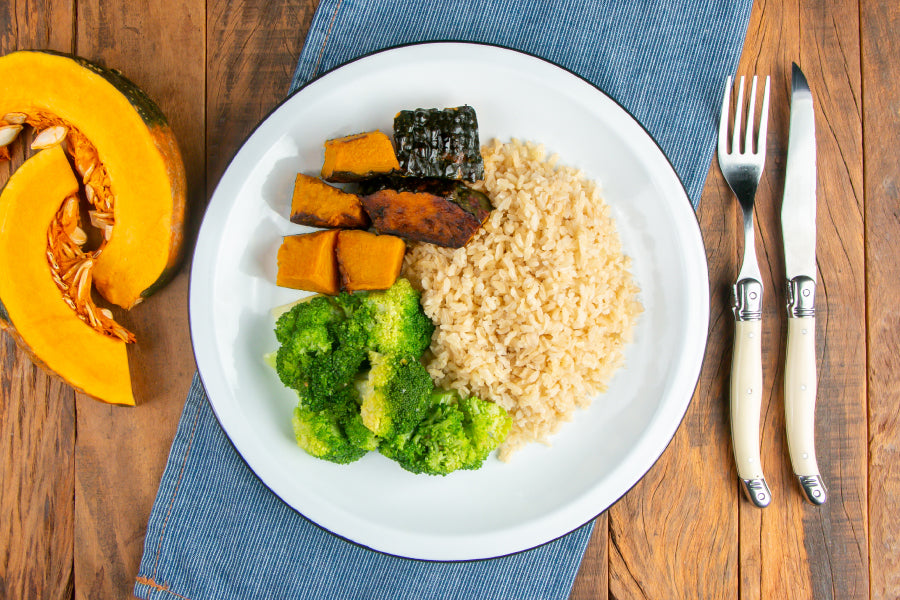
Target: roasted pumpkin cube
[(359, 156), (317, 204), (437, 142), (438, 211), (307, 262), (368, 261)]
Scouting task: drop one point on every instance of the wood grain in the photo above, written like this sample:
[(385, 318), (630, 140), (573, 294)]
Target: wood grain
[(593, 574), (253, 49), (814, 552), (37, 437), (37, 418), (74, 509), (772, 554), (675, 534), (121, 452), (881, 130)]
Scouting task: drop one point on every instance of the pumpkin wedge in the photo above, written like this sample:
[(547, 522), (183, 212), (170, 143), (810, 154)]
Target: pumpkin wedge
[(124, 152), (31, 306)]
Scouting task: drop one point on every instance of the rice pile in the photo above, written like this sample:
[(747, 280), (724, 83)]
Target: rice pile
[(535, 311)]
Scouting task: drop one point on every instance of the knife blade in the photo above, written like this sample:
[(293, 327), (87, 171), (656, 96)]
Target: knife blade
[(798, 228)]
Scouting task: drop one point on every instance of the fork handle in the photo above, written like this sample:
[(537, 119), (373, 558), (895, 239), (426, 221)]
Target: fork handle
[(746, 391)]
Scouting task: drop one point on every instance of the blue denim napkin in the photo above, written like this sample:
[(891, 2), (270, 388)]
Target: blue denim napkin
[(215, 530)]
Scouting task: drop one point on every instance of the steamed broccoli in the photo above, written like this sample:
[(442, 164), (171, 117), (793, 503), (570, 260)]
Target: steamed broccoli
[(354, 360), (456, 434), (398, 323), (334, 433), (306, 323), (395, 393), (303, 333), (486, 425), (324, 341), (437, 446), (321, 350)]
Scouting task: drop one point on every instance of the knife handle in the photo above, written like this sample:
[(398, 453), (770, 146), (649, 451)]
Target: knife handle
[(800, 389), (746, 391)]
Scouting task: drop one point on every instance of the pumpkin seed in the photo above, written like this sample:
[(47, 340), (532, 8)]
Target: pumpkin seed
[(8, 133), (78, 236), (87, 173), (72, 273), (83, 277), (15, 118), (70, 209), (92, 319), (106, 313), (52, 260), (100, 219), (121, 333), (49, 137), (89, 193)]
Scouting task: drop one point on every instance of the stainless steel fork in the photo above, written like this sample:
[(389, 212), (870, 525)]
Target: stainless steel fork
[(742, 168)]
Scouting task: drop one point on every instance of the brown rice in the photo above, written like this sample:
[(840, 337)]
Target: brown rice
[(535, 311)]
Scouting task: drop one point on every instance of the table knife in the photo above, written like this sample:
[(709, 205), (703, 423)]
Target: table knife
[(798, 228)]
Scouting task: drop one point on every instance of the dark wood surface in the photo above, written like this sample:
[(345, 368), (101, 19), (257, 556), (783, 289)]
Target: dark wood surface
[(79, 477)]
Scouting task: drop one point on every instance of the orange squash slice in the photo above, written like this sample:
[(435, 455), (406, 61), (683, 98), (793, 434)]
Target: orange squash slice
[(124, 152), (32, 308)]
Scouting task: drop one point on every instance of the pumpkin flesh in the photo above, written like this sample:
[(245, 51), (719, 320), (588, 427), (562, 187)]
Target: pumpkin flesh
[(137, 176), (32, 308)]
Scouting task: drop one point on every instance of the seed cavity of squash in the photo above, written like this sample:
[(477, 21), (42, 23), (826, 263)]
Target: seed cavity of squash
[(71, 269), (71, 265)]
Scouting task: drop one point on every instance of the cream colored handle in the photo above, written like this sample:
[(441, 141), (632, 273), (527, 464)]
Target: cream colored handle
[(800, 394), (746, 398)]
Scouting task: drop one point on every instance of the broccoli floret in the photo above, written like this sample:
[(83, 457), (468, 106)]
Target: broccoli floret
[(456, 434), (336, 432), (321, 350), (486, 425), (346, 409), (350, 351), (321, 435), (309, 321), (350, 303), (358, 434), (291, 367), (395, 394), (437, 446), (398, 323)]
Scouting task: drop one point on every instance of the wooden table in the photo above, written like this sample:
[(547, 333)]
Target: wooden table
[(79, 477)]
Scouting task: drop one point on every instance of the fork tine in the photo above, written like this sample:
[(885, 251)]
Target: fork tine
[(751, 115), (764, 121), (738, 116), (723, 118)]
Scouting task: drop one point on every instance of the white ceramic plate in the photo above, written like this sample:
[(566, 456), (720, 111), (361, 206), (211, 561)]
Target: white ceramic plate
[(545, 492)]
